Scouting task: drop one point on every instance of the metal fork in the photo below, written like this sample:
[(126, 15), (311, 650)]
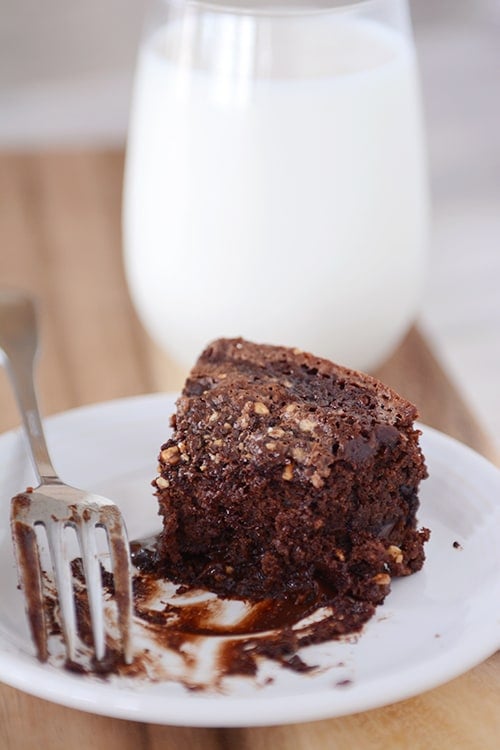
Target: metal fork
[(55, 506)]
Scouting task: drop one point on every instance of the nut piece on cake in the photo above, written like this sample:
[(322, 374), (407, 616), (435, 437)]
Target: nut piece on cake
[(288, 476)]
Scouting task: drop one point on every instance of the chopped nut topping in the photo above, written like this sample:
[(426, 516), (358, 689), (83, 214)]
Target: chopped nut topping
[(340, 555), (290, 408), (271, 446), (287, 472), (217, 443), (162, 483), (275, 432), (316, 481), (171, 455), (396, 554), (260, 408), (214, 416), (382, 579), (299, 454), (307, 425), (227, 427)]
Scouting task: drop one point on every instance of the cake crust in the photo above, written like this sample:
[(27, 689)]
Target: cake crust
[(288, 476)]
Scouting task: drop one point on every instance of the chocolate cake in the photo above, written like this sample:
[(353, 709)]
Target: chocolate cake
[(288, 477)]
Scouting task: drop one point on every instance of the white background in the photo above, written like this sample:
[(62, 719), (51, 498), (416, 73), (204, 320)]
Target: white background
[(65, 77)]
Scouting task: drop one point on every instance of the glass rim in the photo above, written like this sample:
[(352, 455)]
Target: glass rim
[(277, 8)]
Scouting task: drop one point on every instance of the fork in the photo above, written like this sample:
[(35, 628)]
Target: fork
[(56, 506)]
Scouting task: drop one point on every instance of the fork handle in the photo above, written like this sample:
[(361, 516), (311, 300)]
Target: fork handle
[(19, 345)]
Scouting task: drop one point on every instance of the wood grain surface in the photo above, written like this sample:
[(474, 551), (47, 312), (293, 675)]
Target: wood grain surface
[(60, 240)]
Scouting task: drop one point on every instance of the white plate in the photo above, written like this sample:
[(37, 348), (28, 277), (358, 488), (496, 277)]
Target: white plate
[(434, 625)]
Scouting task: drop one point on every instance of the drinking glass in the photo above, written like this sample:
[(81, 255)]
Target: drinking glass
[(275, 181)]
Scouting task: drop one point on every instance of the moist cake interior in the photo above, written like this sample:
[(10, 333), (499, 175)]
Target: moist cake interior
[(288, 476)]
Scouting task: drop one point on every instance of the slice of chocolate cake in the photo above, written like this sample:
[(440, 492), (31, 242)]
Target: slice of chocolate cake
[(287, 476)]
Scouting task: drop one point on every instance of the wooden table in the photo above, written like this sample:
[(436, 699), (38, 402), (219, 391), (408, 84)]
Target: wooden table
[(60, 239)]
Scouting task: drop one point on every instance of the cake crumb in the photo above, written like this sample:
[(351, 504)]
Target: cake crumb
[(343, 683)]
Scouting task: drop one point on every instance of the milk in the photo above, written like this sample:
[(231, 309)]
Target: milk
[(275, 186)]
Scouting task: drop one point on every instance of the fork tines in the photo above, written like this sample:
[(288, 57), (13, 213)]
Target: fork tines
[(42, 507)]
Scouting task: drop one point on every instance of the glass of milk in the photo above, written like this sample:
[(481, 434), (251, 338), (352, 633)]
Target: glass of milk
[(275, 177)]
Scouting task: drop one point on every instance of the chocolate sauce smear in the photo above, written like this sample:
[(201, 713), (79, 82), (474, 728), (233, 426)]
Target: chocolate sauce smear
[(230, 637)]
